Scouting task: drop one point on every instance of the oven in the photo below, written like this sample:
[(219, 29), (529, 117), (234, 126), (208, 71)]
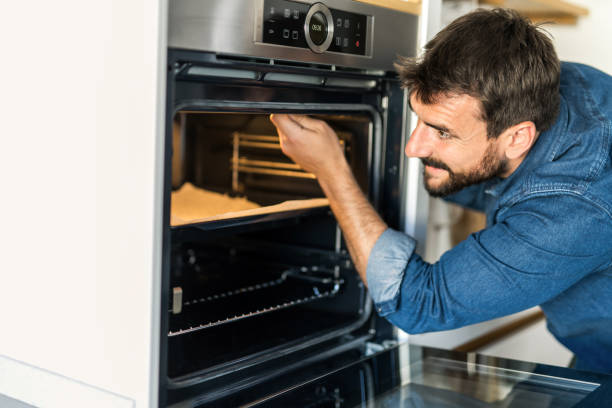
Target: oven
[(257, 280)]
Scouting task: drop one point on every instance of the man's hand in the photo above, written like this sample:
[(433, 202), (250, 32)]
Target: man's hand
[(314, 145), (311, 143)]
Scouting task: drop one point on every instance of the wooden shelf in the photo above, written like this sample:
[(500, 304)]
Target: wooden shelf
[(538, 11), (405, 6), (501, 332)]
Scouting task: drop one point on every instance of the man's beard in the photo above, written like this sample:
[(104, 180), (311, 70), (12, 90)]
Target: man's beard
[(489, 167)]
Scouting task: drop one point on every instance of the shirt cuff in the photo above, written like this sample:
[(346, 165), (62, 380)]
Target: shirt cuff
[(386, 266)]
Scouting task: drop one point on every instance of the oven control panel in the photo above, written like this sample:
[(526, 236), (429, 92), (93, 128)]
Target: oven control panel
[(313, 26)]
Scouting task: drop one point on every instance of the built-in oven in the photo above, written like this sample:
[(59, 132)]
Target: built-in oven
[(257, 280)]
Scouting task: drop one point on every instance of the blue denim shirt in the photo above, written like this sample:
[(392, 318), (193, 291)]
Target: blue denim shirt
[(548, 239)]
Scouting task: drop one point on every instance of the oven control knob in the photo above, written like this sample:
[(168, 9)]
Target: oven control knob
[(319, 28)]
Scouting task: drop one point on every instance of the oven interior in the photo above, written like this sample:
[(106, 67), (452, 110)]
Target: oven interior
[(258, 268)]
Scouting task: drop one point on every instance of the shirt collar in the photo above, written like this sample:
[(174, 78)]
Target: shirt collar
[(537, 154)]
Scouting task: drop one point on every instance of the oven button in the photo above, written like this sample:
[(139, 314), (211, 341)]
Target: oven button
[(319, 28)]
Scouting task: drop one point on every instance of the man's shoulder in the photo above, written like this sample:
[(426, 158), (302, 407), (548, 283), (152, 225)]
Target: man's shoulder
[(573, 156), (586, 86), (571, 69)]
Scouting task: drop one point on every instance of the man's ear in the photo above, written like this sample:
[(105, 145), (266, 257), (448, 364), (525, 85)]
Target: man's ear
[(518, 139)]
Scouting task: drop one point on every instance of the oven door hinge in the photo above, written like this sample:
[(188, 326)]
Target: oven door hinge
[(373, 348)]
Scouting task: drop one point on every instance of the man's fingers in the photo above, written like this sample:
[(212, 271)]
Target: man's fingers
[(285, 124), (304, 121), (293, 122)]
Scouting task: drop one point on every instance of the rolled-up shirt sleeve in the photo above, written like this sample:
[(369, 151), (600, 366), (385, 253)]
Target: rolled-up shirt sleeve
[(530, 256), (386, 268)]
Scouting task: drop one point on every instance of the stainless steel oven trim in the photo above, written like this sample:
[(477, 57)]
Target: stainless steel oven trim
[(319, 7), (374, 163), (258, 31), (233, 27)]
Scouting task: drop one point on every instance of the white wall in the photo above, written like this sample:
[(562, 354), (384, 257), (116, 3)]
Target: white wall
[(80, 110), (589, 40), (533, 343)]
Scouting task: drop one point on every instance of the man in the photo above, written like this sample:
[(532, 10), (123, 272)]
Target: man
[(506, 129)]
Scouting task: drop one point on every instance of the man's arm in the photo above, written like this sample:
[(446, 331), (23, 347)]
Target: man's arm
[(314, 145), (533, 252)]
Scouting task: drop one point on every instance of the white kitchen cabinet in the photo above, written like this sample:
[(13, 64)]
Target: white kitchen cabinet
[(82, 118)]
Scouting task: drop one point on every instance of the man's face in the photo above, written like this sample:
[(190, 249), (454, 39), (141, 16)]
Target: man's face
[(451, 140)]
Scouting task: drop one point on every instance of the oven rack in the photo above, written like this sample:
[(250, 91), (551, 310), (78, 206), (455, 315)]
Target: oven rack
[(251, 288), (241, 163), (216, 296), (294, 287)]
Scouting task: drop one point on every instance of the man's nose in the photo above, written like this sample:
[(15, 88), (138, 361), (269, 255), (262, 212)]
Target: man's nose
[(419, 144)]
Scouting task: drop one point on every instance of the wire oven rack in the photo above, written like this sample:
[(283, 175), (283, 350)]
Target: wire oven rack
[(278, 165), (262, 143), (295, 286)]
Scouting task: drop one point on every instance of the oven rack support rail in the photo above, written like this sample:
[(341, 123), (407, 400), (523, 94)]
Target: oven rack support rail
[(321, 286)]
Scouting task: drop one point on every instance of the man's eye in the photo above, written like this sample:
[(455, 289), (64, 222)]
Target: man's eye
[(443, 135)]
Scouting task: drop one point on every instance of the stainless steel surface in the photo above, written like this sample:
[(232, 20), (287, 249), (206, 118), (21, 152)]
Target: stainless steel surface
[(319, 7), (414, 198), (233, 27), (428, 377), (449, 382), (268, 163), (222, 72), (272, 172), (294, 78), (177, 300), (351, 83), (260, 145)]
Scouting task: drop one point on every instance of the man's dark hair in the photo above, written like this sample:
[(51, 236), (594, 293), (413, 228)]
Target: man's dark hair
[(497, 57)]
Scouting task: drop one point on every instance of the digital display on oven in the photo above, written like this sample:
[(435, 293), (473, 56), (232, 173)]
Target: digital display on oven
[(349, 33), (284, 24)]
